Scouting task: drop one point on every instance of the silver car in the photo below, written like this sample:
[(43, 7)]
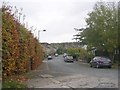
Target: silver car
[(68, 58), (64, 55), (49, 57)]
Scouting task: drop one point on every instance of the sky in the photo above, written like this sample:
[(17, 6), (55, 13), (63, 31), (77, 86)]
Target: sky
[(57, 17)]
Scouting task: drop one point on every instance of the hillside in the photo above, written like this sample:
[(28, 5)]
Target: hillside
[(52, 47)]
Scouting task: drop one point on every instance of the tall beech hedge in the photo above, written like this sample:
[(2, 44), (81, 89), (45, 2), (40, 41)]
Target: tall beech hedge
[(21, 52)]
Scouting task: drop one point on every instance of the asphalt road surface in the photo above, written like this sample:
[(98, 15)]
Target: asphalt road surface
[(58, 67), (60, 71)]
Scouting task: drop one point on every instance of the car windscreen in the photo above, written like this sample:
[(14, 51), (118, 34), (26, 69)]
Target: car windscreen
[(102, 59)]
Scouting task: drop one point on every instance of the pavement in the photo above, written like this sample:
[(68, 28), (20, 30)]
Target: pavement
[(76, 81), (73, 81)]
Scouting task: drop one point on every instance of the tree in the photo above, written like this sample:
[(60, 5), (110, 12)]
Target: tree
[(80, 53), (101, 30), (60, 50), (74, 52)]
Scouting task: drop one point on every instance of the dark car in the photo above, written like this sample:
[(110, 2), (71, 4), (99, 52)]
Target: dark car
[(100, 62), (68, 58)]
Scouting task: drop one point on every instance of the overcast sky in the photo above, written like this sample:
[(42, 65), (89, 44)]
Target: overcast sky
[(57, 17)]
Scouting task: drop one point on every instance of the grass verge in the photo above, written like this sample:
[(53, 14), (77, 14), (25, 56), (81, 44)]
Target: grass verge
[(17, 81), (13, 84), (115, 65)]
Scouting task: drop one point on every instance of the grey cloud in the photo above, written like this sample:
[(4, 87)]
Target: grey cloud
[(58, 17)]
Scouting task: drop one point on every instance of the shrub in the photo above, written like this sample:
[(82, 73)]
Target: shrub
[(21, 52), (13, 84)]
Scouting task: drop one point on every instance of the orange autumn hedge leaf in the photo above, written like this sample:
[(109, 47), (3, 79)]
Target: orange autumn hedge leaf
[(21, 52)]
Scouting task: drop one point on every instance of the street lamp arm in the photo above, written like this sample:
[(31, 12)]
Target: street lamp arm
[(39, 33), (44, 30)]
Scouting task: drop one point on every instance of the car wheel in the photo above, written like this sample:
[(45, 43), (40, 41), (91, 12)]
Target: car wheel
[(90, 65), (109, 67)]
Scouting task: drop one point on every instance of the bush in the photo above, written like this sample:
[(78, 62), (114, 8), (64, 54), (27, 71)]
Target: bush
[(21, 52), (74, 52), (89, 56), (60, 50), (80, 53), (13, 84)]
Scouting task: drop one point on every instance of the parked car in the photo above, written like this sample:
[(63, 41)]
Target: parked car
[(49, 57), (100, 62), (68, 58), (64, 55)]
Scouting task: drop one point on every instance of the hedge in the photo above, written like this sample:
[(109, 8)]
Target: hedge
[(21, 52)]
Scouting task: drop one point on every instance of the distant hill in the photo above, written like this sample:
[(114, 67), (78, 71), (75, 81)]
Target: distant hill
[(52, 47)]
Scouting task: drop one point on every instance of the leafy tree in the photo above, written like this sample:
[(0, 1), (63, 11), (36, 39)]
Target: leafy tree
[(80, 53), (60, 50), (74, 52), (101, 31)]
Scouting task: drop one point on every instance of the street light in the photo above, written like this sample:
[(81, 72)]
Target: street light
[(39, 33), (46, 59)]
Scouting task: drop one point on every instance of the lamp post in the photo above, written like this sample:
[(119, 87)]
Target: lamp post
[(38, 40), (39, 33)]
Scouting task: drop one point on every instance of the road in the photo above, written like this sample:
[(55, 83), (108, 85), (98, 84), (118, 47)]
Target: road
[(59, 66), (57, 73)]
